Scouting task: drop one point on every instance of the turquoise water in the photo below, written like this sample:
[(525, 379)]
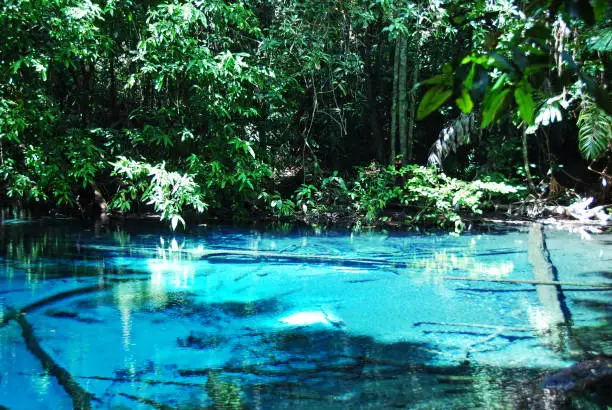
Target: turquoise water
[(141, 318)]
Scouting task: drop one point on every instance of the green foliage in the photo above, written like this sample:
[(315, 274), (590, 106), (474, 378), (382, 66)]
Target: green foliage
[(430, 197), (516, 60), (595, 130), (180, 106), (168, 192), (424, 195), (225, 395)]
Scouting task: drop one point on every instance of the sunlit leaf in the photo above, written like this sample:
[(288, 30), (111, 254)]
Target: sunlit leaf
[(493, 105), (432, 100), (465, 102), (524, 100)]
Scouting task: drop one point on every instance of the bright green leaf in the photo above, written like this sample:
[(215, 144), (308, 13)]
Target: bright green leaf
[(524, 100), (493, 105), (465, 102), (432, 100)]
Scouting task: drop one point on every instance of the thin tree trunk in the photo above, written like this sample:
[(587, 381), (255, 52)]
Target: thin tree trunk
[(371, 73), (402, 94), (526, 160), (415, 79), (393, 135)]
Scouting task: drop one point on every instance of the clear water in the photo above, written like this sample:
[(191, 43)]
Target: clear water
[(154, 321)]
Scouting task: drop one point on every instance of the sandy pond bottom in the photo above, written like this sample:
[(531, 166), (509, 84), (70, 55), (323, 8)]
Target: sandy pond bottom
[(143, 319)]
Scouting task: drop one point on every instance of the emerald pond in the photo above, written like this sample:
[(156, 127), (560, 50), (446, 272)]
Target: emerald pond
[(134, 317)]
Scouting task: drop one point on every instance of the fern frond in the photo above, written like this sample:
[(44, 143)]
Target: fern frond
[(594, 130), (600, 40)]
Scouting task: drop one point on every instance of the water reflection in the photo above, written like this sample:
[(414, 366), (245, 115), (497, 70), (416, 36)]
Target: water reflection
[(174, 328)]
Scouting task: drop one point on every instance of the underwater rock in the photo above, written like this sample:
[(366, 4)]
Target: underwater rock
[(586, 375), (590, 379)]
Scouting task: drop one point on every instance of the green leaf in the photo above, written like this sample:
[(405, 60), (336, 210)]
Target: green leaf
[(600, 40), (465, 102), (599, 9), (524, 100), (493, 105), (432, 100), (469, 81), (500, 82), (437, 79), (594, 130)]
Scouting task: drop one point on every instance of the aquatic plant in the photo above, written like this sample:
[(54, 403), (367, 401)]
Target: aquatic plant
[(225, 395)]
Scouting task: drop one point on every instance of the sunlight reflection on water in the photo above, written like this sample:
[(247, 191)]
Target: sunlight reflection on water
[(378, 324)]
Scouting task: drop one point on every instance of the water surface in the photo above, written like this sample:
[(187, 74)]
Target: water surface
[(142, 318)]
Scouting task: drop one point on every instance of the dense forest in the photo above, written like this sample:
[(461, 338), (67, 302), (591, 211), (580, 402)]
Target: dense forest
[(323, 111)]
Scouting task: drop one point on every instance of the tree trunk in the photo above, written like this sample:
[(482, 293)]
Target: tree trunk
[(403, 77), (371, 73), (415, 79), (526, 160), (393, 136)]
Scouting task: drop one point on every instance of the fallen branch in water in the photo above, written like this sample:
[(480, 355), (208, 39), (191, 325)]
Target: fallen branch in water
[(477, 325), (531, 282), (81, 399), (148, 402), (63, 295), (146, 381), (305, 258), (470, 348)]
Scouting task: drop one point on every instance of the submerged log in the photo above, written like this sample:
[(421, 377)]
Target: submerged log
[(63, 295), (305, 258), (478, 325), (531, 282), (544, 271), (145, 381), (81, 399), (146, 401)]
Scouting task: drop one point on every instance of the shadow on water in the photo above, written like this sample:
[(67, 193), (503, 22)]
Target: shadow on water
[(265, 364), (330, 369)]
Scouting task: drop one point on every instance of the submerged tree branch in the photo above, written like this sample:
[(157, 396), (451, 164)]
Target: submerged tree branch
[(305, 258), (81, 399), (63, 295), (531, 282), (148, 402)]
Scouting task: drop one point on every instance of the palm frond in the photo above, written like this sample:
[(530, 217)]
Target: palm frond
[(600, 39), (453, 136)]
